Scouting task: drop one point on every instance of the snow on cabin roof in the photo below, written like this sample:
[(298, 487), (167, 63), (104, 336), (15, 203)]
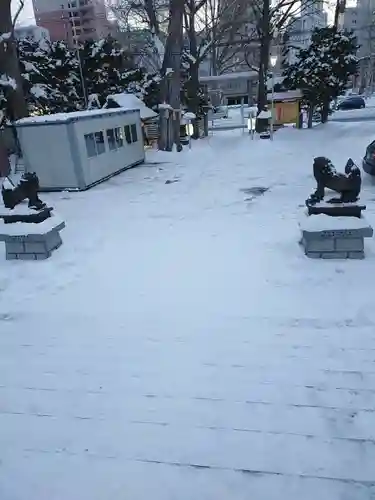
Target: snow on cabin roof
[(239, 75), (288, 95), (125, 100), (76, 115)]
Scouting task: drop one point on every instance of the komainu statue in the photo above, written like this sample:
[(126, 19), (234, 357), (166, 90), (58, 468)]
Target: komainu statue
[(347, 184), (26, 189)]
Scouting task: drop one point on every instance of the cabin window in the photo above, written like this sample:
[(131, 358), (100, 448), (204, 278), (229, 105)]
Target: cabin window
[(134, 132), (128, 136)]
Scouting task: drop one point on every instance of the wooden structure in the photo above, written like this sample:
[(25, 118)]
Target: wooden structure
[(287, 107), (149, 118)]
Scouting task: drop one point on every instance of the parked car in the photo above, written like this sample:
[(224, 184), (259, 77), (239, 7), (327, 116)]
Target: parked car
[(352, 102), (368, 162)]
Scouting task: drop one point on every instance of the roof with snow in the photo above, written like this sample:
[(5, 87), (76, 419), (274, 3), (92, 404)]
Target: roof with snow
[(289, 95), (74, 116), (127, 101), (239, 75)]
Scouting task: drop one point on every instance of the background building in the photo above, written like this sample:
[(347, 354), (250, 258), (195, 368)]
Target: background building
[(298, 35), (74, 20), (361, 19)]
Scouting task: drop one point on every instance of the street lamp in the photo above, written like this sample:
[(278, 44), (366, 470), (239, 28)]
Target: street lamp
[(273, 61)]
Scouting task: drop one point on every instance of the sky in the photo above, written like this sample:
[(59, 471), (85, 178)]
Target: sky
[(27, 15)]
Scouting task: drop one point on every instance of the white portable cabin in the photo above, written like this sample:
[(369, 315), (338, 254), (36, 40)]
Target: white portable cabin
[(74, 151)]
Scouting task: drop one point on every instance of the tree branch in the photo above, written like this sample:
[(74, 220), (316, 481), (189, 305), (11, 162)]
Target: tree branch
[(19, 10)]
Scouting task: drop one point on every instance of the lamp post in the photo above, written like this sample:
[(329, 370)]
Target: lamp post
[(273, 61)]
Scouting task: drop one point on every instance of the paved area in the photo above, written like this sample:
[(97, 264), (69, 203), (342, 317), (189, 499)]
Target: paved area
[(231, 412), (180, 346)]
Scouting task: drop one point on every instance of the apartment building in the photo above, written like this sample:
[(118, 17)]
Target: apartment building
[(361, 20), (73, 20), (300, 30)]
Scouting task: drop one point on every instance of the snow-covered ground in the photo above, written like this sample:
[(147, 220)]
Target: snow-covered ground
[(351, 114), (179, 345)]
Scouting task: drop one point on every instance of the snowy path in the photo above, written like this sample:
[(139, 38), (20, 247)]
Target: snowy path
[(179, 345)]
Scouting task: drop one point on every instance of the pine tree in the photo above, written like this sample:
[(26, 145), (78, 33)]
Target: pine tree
[(109, 69), (52, 81), (146, 86), (65, 77), (105, 64), (322, 70), (50, 77)]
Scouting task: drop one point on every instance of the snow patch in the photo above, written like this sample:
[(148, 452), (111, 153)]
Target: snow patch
[(324, 222)]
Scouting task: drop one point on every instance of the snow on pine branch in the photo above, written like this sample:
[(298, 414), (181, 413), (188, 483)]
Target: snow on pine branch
[(159, 47), (7, 81), (4, 37), (39, 91)]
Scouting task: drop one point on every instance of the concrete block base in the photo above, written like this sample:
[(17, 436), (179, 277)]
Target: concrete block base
[(326, 237), (32, 241)]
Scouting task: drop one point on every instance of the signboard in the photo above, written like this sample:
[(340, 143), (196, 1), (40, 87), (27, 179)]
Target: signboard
[(337, 233), (286, 112)]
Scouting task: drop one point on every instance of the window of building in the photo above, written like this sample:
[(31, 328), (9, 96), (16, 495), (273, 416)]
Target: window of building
[(115, 137), (119, 136), (94, 144), (99, 142), (90, 145), (72, 5), (134, 132), (128, 136), (111, 139)]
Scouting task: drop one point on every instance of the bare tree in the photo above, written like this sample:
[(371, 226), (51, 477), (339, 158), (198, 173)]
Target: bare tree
[(147, 18), (271, 19), (229, 28), (154, 16), (171, 79), (10, 76)]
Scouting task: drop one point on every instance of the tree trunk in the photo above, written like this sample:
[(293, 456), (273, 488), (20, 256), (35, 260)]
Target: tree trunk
[(9, 65), (171, 72), (325, 112), (310, 116), (194, 98), (265, 39), (193, 94), (4, 160)]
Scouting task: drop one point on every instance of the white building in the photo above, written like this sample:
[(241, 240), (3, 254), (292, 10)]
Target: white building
[(35, 33), (361, 19), (299, 33), (350, 19)]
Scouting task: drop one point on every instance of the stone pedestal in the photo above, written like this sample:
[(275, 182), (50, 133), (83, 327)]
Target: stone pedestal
[(31, 241), (336, 209), (21, 213), (326, 237)]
